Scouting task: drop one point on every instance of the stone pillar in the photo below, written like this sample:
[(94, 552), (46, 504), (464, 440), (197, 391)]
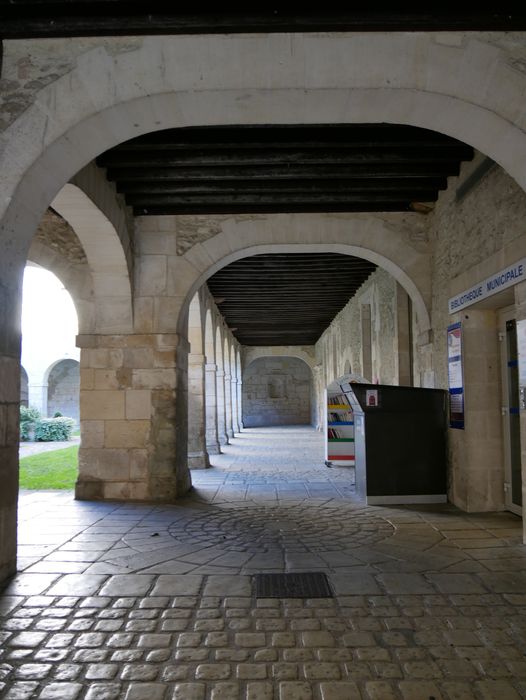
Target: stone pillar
[(228, 406), (37, 397), (221, 408), (128, 423), (403, 337), (476, 482), (197, 454), (320, 406), (235, 410), (212, 441), (10, 303), (520, 315), (239, 403), (9, 436)]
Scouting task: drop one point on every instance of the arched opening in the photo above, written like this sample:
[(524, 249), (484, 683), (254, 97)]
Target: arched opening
[(49, 451), (63, 385), (49, 328)]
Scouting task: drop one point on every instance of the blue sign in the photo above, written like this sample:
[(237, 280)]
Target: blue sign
[(492, 285)]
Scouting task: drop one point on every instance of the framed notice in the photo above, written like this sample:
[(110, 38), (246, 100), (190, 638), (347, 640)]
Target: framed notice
[(455, 376)]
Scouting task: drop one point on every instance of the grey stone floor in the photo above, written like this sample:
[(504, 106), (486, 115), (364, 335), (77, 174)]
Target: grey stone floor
[(141, 601)]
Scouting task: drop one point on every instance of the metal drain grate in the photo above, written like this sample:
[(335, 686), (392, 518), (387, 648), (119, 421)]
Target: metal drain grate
[(304, 585)]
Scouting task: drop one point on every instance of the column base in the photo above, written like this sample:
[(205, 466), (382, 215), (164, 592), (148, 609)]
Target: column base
[(213, 449), (198, 460)]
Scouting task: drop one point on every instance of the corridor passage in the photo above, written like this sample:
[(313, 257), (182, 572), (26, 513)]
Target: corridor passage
[(157, 602)]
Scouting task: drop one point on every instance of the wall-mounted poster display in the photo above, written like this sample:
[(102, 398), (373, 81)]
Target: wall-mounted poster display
[(455, 375)]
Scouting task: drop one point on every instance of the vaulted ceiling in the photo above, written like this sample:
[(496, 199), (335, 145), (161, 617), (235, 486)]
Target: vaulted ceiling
[(276, 169), (286, 299)]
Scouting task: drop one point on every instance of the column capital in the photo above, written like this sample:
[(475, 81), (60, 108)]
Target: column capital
[(196, 359)]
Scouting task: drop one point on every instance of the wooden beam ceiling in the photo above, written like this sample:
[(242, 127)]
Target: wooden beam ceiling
[(286, 299), (276, 169), (69, 18)]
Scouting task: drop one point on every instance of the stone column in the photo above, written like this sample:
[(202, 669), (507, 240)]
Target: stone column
[(221, 408), (197, 454), (403, 337), (9, 436), (520, 315), (239, 403), (228, 406), (128, 425), (235, 411), (476, 482), (212, 441), (10, 302)]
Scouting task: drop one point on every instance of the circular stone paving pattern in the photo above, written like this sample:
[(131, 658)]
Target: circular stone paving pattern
[(264, 528)]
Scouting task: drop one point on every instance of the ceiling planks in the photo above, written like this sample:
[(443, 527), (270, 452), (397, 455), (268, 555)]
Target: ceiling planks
[(279, 169), (69, 18), (286, 299)]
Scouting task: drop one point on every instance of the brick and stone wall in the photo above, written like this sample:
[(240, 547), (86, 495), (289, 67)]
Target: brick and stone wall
[(277, 391)]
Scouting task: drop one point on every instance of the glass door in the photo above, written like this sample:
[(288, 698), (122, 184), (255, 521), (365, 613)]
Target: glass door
[(510, 411)]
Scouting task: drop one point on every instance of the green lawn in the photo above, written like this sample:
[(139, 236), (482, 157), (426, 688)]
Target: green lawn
[(50, 470)]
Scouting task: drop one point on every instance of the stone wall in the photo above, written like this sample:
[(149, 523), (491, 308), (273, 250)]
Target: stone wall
[(369, 319), (487, 222), (473, 237), (276, 391)]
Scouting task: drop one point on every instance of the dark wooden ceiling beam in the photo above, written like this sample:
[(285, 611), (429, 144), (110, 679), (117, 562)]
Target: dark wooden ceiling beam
[(271, 169), (282, 299), (306, 208), (207, 158), (277, 198), (206, 188), (427, 169), (55, 18)]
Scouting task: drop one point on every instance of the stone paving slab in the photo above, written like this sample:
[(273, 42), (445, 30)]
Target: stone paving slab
[(429, 601)]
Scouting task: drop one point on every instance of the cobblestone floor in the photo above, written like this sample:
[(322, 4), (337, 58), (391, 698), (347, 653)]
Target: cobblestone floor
[(157, 602)]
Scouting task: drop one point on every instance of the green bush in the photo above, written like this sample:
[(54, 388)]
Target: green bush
[(54, 429), (29, 417)]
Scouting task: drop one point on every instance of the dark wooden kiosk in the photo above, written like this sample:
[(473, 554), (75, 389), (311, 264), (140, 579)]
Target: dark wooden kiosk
[(400, 443)]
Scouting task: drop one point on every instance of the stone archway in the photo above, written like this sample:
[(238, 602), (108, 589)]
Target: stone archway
[(347, 235), (106, 260), (63, 384), (467, 87)]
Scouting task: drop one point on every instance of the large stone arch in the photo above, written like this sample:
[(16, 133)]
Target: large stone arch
[(466, 87), (106, 259), (368, 238)]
